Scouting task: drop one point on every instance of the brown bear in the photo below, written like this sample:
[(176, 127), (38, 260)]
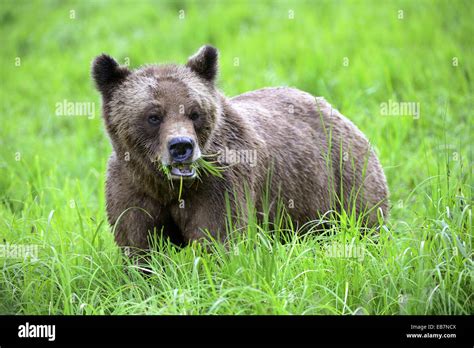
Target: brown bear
[(163, 119)]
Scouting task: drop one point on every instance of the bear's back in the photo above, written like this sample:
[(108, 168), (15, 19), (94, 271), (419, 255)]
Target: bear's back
[(291, 113), (303, 131)]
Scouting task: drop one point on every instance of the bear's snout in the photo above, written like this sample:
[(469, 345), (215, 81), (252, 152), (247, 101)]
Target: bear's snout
[(181, 149)]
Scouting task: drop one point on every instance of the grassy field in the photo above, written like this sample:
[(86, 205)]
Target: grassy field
[(360, 55)]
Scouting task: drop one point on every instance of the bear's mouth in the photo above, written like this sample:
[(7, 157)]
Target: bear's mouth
[(181, 170)]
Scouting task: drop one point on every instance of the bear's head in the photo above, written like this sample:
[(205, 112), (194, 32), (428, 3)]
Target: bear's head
[(162, 116)]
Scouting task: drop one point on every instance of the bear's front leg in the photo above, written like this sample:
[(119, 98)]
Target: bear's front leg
[(196, 218), (133, 215), (198, 213), (209, 208), (132, 219)]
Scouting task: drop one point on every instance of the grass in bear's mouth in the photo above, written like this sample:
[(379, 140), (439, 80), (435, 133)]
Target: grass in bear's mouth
[(201, 167), (208, 168), (165, 169), (198, 168)]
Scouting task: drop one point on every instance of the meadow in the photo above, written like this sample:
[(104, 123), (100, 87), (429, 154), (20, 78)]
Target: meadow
[(362, 56)]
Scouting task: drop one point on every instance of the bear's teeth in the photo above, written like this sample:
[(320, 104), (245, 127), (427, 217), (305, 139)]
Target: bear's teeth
[(182, 170)]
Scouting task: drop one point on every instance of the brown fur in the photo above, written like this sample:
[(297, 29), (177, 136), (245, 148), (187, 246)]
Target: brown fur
[(298, 137)]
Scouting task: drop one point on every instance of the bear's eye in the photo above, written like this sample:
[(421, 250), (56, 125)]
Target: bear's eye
[(154, 119), (194, 115)]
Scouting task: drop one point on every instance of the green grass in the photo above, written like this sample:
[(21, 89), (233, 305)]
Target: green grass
[(52, 168)]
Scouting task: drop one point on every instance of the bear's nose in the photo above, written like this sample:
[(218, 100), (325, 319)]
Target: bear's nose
[(181, 149)]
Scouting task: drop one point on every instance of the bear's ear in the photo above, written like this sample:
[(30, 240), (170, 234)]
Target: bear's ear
[(204, 62), (107, 74)]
